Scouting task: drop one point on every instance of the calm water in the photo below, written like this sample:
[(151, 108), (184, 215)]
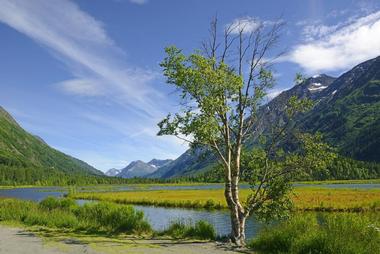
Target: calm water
[(34, 194), (160, 217), (221, 186), (37, 194)]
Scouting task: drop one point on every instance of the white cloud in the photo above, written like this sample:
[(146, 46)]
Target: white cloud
[(138, 1), (310, 32), (245, 24), (81, 42), (338, 48), (273, 93), (85, 87), (99, 70)]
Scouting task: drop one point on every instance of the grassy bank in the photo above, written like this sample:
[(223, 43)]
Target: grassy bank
[(95, 218), (326, 233), (181, 230), (99, 217), (359, 181), (305, 198)]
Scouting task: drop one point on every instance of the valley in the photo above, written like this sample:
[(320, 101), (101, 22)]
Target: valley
[(191, 127)]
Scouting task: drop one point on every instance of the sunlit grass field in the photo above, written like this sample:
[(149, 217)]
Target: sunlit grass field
[(111, 187), (305, 198)]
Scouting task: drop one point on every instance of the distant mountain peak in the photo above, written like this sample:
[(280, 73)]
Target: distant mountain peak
[(140, 168), (113, 172), (159, 163), (346, 111)]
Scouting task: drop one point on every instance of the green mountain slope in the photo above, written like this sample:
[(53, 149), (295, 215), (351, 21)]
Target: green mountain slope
[(346, 111), (19, 150), (189, 163), (349, 116)]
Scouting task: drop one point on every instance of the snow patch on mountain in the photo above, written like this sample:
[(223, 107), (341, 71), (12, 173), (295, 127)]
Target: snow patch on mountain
[(316, 87)]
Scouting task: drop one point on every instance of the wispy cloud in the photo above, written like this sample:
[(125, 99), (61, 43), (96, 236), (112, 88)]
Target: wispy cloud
[(81, 42), (99, 70), (317, 30), (245, 24), (338, 47), (138, 1), (85, 87)]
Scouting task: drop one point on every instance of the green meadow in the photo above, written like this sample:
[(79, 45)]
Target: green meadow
[(100, 218), (311, 198), (304, 232)]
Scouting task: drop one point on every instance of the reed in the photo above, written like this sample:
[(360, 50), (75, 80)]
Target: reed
[(326, 233), (99, 217), (179, 229), (304, 198)]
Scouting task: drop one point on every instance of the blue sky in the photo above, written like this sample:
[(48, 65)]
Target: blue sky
[(84, 74)]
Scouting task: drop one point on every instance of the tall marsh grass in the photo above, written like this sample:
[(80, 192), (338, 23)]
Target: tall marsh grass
[(304, 198), (99, 217), (180, 229), (327, 233)]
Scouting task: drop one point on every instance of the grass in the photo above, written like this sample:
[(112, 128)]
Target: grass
[(110, 187), (99, 217), (201, 230), (326, 233), (17, 186), (359, 181), (305, 198)]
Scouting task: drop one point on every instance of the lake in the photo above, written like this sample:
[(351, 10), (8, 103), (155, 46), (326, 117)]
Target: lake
[(160, 217)]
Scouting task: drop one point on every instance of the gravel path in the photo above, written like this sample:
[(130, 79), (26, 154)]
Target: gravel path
[(19, 241)]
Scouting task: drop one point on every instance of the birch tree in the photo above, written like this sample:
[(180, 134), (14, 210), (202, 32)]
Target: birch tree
[(221, 87)]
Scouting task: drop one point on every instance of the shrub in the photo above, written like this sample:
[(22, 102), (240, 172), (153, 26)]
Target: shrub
[(113, 218), (55, 219), (51, 203), (15, 210), (321, 233), (200, 230), (65, 213)]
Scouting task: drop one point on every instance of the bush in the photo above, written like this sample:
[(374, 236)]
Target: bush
[(65, 213), (200, 230), (15, 210), (322, 233), (51, 203), (113, 218), (53, 219)]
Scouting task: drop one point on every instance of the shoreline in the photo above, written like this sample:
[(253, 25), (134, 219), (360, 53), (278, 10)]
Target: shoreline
[(304, 198), (19, 240), (312, 182)]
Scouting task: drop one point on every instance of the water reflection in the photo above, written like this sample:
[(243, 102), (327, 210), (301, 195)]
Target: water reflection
[(33, 194), (160, 218)]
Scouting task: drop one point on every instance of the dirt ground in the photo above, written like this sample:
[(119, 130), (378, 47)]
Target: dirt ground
[(19, 241)]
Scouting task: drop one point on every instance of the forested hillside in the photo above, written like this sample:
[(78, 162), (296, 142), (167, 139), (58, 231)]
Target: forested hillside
[(346, 111), (27, 159)]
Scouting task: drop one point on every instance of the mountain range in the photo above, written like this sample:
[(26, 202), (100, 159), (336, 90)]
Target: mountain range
[(346, 111), (21, 151), (138, 168)]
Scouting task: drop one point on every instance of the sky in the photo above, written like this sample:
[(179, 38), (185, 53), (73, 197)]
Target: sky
[(84, 75)]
